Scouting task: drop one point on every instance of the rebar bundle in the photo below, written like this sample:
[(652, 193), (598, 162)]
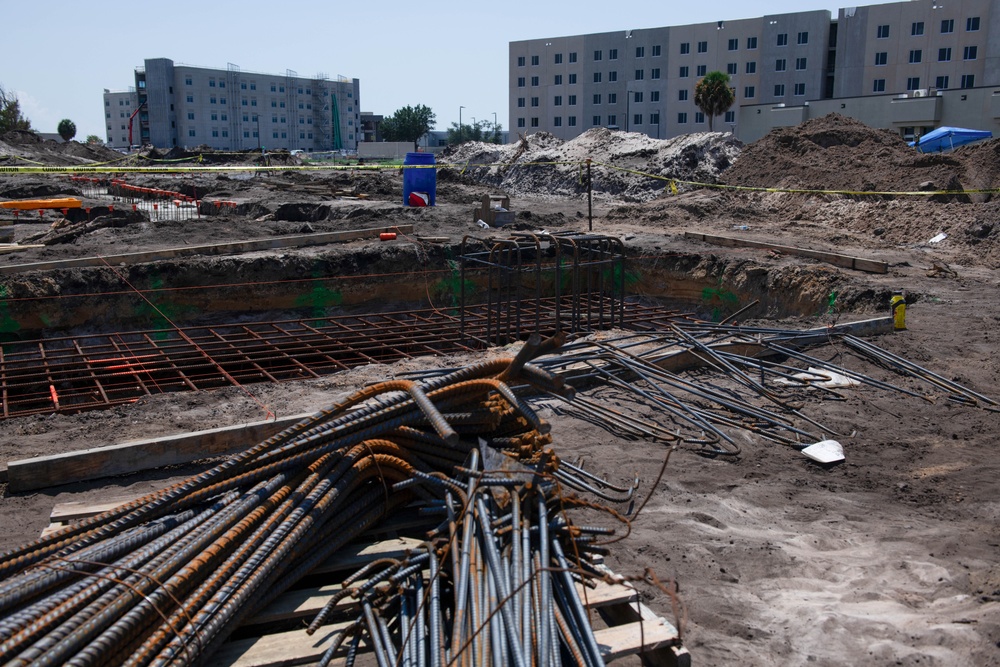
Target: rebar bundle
[(166, 578)]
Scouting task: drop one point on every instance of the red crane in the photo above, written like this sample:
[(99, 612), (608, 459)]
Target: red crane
[(130, 118)]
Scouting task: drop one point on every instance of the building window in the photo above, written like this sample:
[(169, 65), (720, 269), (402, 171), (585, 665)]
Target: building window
[(944, 55), (253, 86), (520, 122), (751, 43), (970, 53), (211, 100), (947, 26), (913, 83), (215, 116), (730, 117), (571, 121), (654, 96), (749, 92), (612, 54), (682, 95), (916, 56), (211, 83), (534, 101), (779, 90), (534, 122), (654, 73), (941, 82), (598, 55), (917, 28), (557, 80), (800, 89), (274, 119), (685, 48), (972, 24), (572, 79), (243, 102), (520, 61), (191, 132), (557, 59), (783, 39), (190, 115), (734, 44), (878, 86), (597, 98), (187, 81), (274, 104), (274, 135), (638, 96), (572, 56), (612, 76), (751, 67), (731, 68), (968, 81), (780, 65), (654, 119), (557, 101), (800, 64), (702, 47), (882, 32), (881, 58), (302, 135), (612, 98), (597, 120), (684, 72), (640, 52), (281, 89), (215, 133), (534, 61), (243, 86), (656, 50), (612, 120), (803, 38), (520, 82), (597, 77), (637, 119), (699, 117), (638, 75), (682, 117), (557, 121), (520, 103), (274, 89), (700, 70), (534, 81), (190, 99), (572, 100)]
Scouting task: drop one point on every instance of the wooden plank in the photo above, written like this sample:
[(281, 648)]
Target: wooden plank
[(639, 637), (214, 249), (278, 650), (844, 261), (44, 471)]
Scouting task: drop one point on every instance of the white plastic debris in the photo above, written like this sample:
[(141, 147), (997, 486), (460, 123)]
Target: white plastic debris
[(482, 224), (938, 238), (834, 380), (825, 451)]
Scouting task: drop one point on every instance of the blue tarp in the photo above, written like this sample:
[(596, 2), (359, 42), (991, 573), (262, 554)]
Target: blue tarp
[(947, 138)]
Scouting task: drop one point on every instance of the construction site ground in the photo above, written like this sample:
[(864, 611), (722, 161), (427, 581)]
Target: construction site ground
[(889, 558)]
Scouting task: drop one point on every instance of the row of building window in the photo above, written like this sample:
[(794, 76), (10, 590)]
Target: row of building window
[(917, 55), (917, 27), (246, 118), (913, 83), (122, 103), (192, 132), (612, 119), (189, 81)]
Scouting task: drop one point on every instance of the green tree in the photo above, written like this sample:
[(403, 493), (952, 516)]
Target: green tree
[(94, 140), (11, 117), (713, 95), (408, 124), (66, 129), (481, 130)]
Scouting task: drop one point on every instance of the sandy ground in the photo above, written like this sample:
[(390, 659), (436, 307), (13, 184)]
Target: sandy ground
[(890, 558)]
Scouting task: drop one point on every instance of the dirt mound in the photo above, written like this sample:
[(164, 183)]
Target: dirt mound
[(627, 165), (839, 153), (19, 146)]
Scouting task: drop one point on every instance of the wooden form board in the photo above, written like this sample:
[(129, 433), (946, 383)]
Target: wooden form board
[(214, 249), (844, 261)]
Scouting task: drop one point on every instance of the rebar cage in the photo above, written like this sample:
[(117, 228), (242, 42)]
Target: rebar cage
[(578, 276)]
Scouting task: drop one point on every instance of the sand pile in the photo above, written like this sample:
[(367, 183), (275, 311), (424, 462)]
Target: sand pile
[(622, 162), (31, 147)]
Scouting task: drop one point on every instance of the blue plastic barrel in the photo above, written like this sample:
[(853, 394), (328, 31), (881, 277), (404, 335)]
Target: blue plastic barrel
[(422, 180)]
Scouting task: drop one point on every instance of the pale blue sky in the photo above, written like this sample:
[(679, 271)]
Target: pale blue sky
[(59, 55)]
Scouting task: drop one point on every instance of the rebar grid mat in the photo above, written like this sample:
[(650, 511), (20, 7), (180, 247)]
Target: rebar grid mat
[(166, 578), (72, 374)]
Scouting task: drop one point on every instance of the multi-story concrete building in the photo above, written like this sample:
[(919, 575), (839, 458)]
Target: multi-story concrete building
[(119, 107), (229, 109), (643, 80)]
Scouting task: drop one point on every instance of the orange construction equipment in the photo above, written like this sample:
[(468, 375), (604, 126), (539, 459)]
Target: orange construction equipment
[(35, 204)]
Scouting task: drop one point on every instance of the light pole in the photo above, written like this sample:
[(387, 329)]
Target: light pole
[(460, 124), (496, 133), (473, 126)]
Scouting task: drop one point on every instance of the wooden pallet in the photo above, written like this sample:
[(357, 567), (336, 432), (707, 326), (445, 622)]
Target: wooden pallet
[(266, 640)]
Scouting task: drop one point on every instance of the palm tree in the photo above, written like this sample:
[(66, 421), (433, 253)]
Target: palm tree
[(714, 96)]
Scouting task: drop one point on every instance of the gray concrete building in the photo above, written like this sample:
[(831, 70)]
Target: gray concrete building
[(230, 109), (119, 107), (867, 58)]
